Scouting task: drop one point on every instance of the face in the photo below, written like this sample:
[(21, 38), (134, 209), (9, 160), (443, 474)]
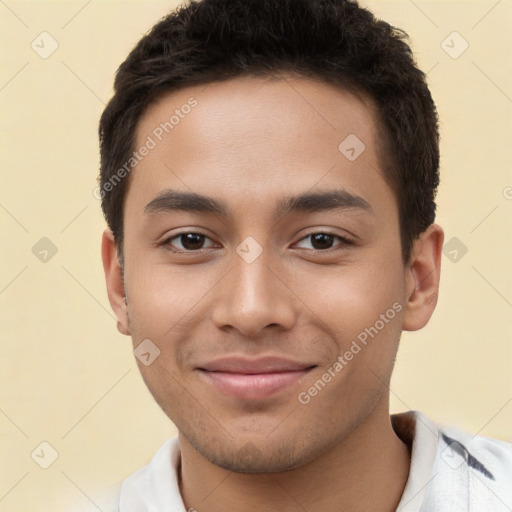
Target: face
[(263, 261)]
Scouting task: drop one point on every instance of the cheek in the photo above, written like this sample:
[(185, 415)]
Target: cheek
[(360, 311), (168, 303), (350, 298)]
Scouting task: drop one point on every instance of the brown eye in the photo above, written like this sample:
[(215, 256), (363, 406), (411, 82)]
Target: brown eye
[(324, 241), (187, 242), (192, 241)]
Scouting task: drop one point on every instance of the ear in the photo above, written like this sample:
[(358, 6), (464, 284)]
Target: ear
[(422, 278), (114, 281)]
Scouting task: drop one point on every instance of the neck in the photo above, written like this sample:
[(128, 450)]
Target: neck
[(367, 470)]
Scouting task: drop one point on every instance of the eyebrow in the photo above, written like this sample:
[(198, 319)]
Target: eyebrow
[(309, 202)]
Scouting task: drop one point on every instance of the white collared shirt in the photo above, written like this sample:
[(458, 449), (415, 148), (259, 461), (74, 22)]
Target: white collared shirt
[(450, 471)]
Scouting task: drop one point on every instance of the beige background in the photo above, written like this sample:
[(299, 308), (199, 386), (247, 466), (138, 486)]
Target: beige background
[(67, 376)]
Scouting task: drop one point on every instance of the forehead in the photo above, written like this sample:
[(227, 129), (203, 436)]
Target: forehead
[(258, 106), (257, 138)]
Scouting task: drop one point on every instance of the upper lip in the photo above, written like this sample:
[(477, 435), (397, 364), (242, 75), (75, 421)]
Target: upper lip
[(254, 366)]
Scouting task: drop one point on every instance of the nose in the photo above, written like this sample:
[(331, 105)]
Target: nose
[(254, 296)]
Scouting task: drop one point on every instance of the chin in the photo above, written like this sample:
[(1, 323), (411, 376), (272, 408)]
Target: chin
[(258, 455)]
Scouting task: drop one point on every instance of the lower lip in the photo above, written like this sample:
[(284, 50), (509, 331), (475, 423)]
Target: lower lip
[(253, 387)]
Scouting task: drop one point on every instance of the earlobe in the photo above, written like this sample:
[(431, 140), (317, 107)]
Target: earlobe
[(122, 329), (422, 278), (114, 281)]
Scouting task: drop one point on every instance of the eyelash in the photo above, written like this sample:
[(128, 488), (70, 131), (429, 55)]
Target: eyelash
[(344, 242)]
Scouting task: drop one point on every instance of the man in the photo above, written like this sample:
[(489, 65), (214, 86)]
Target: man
[(268, 175)]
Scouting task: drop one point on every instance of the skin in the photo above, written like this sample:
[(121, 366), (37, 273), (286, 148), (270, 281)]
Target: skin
[(247, 143)]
